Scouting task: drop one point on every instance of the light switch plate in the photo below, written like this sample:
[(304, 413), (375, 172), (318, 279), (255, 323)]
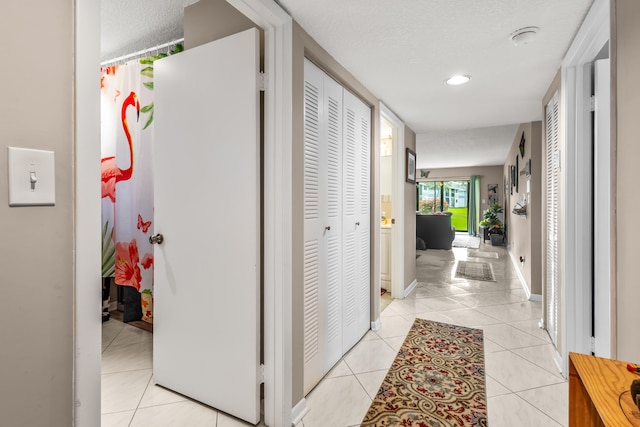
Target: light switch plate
[(31, 177)]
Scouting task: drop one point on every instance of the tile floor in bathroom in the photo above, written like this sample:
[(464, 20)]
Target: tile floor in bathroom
[(524, 387)]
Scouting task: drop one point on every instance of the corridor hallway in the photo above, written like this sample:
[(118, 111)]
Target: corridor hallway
[(524, 387)]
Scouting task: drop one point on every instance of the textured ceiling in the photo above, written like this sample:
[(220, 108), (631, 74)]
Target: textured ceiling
[(403, 51), (479, 147), (129, 26)]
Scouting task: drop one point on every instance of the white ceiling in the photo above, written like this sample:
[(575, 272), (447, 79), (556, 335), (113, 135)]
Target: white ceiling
[(129, 26), (403, 52)]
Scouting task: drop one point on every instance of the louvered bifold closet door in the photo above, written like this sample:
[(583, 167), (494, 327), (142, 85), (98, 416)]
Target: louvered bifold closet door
[(356, 220), (552, 217), (322, 224), (314, 273), (333, 100)]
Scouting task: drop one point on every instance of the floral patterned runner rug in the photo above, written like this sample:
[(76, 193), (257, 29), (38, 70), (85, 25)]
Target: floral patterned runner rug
[(475, 271), (436, 380)]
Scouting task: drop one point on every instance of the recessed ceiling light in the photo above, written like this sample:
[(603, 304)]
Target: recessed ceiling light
[(458, 79), (523, 35)]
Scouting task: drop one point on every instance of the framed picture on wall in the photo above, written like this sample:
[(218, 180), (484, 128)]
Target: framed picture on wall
[(512, 178), (410, 166), (515, 174)]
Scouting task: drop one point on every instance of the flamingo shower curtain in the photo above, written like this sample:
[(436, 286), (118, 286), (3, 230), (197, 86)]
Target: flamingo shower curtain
[(127, 187)]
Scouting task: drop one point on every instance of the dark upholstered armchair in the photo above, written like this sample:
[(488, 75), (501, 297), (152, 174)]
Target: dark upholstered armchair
[(435, 230)]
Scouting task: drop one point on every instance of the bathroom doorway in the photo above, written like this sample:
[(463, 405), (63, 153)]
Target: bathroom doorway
[(391, 206)]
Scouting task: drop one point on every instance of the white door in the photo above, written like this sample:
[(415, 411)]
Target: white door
[(552, 217), (322, 224), (207, 187), (332, 239), (602, 213), (356, 220)]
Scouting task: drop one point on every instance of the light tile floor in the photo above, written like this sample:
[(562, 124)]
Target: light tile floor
[(524, 387)]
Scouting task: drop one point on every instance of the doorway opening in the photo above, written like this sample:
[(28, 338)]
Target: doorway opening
[(386, 211), (277, 27), (450, 197), (392, 157)]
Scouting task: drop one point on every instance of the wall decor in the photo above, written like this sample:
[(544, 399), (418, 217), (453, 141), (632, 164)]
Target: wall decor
[(515, 174), (522, 141), (512, 178), (493, 194), (527, 168), (410, 166), (506, 185)]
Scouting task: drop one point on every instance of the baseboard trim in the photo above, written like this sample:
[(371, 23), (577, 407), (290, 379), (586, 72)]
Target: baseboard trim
[(299, 411), (535, 297), (410, 289), (376, 325), (557, 359), (523, 282)]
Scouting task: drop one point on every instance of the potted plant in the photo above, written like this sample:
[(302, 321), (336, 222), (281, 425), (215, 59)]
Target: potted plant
[(495, 227)]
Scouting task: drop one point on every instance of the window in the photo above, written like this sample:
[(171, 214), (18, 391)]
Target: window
[(445, 196)]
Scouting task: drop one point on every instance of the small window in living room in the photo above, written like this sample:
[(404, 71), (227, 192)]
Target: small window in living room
[(445, 196)]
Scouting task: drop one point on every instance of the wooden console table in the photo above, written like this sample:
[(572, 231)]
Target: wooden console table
[(599, 393)]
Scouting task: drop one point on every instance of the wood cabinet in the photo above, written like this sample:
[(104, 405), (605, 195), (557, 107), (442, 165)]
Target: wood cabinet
[(599, 393), (385, 257)]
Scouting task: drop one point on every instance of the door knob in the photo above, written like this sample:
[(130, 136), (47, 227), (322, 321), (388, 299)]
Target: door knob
[(358, 223), (156, 238), (327, 228)]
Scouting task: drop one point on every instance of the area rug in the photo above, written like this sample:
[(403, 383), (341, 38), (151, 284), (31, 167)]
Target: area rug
[(479, 254), (465, 241), (475, 271), (436, 380)]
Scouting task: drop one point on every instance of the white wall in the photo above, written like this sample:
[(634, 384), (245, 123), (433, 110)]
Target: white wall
[(36, 243), (626, 99)]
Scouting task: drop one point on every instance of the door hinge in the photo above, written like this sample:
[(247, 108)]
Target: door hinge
[(262, 81), (593, 345), (592, 103), (261, 374)]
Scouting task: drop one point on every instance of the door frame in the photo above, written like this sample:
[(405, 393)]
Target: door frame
[(603, 327), (575, 244), (277, 26), (397, 230)]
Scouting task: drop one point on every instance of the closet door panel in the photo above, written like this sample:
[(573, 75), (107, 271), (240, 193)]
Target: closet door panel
[(355, 222), (364, 218), (314, 271), (333, 94), (336, 211)]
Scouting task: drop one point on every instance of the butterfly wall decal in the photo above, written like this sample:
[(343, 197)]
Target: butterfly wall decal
[(142, 225)]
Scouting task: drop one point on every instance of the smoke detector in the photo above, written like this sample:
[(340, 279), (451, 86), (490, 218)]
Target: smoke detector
[(523, 35)]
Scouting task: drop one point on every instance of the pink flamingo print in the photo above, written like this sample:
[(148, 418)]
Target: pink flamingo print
[(111, 173)]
